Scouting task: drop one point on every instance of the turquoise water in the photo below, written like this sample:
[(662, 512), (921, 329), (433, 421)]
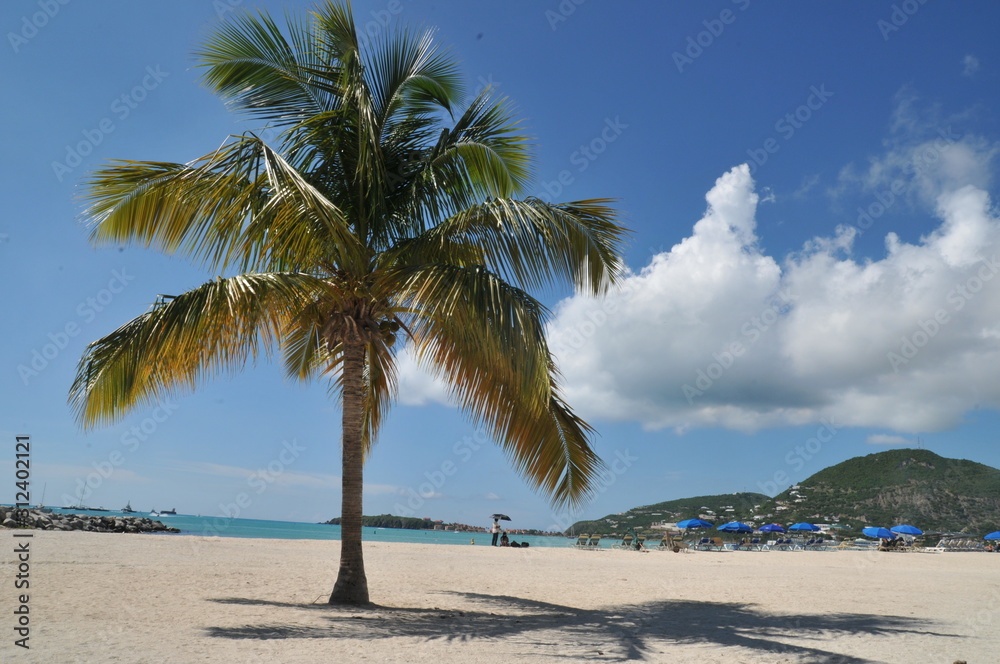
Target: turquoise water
[(207, 526)]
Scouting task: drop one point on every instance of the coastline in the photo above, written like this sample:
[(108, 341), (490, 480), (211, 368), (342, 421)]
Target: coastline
[(146, 598)]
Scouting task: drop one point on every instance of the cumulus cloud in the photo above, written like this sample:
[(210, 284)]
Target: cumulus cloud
[(714, 332)]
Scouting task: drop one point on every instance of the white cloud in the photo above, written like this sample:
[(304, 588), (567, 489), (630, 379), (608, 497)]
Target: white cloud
[(714, 333), (416, 387), (886, 439), (970, 65)]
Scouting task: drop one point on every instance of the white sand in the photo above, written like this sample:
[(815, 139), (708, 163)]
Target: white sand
[(156, 599)]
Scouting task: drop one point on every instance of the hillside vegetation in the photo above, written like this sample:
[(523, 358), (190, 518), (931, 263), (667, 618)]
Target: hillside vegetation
[(718, 509), (916, 487), (911, 486)]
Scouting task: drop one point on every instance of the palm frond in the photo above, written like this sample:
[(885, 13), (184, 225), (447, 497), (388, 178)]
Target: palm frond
[(478, 312), (242, 204), (215, 327), (410, 76), (534, 242), (487, 340), (251, 64)]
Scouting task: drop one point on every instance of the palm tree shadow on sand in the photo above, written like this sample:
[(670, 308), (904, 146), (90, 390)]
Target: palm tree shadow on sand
[(622, 633)]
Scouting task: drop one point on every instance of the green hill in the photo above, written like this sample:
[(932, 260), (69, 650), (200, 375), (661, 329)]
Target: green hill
[(719, 509), (917, 487)]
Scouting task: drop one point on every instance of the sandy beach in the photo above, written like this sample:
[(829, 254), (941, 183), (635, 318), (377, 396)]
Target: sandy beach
[(156, 599)]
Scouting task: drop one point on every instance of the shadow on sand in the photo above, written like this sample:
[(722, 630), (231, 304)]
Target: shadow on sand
[(629, 632)]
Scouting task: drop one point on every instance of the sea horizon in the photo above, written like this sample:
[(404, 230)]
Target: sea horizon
[(222, 526)]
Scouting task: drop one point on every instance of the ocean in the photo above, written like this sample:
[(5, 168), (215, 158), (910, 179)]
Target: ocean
[(211, 526)]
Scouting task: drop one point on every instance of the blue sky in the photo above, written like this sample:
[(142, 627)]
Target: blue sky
[(812, 256)]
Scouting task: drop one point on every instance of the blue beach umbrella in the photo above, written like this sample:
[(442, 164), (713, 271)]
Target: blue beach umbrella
[(880, 533), (688, 524), (803, 527), (904, 529), (993, 536), (771, 528), (735, 527)]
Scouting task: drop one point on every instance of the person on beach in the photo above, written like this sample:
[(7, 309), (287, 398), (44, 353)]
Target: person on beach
[(495, 530), (503, 539)]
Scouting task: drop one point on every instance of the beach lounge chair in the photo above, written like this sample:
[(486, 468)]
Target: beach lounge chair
[(718, 544), (626, 542), (674, 544), (755, 544), (581, 541), (594, 542), (704, 544), (783, 544)]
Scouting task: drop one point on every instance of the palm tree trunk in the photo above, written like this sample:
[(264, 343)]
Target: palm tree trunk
[(352, 585)]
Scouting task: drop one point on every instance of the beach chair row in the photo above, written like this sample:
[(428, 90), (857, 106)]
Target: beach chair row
[(587, 542), (756, 544)]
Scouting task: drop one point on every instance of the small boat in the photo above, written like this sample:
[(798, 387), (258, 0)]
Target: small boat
[(172, 512), (41, 503), (128, 508)]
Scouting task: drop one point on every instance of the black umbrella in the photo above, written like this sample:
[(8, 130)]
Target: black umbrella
[(502, 517)]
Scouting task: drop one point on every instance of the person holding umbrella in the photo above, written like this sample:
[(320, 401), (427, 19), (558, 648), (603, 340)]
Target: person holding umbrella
[(496, 526)]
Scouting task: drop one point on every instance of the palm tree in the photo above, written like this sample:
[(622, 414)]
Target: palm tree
[(371, 220)]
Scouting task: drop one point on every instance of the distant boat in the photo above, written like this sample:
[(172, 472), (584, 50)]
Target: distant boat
[(172, 512), (41, 503), (128, 508), (85, 508)]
